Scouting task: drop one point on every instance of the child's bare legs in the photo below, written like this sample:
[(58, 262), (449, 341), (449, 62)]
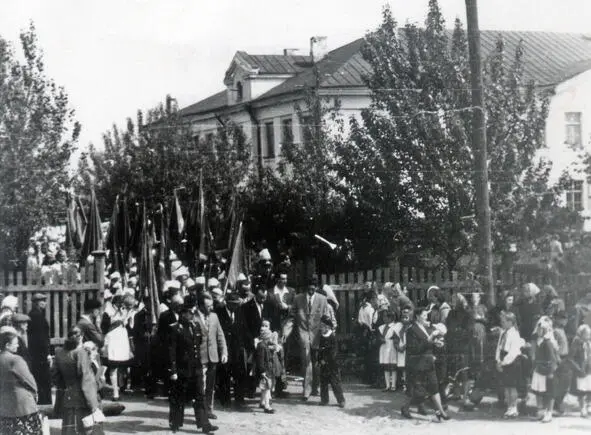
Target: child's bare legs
[(387, 377), (393, 380), (549, 406), (583, 406)]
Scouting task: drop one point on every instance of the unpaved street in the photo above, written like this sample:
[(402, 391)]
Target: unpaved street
[(368, 411)]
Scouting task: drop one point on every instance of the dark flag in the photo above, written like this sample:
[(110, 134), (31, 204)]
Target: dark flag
[(93, 236)]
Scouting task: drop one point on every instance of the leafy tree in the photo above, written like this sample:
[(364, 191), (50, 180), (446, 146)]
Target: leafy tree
[(409, 166), (38, 134), (157, 154)]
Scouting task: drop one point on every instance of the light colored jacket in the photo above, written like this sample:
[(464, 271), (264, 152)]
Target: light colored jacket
[(213, 342), (18, 390)]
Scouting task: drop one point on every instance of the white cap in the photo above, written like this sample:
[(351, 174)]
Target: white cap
[(265, 255), (181, 271), (128, 291), (212, 282), (172, 256), (171, 284), (189, 283), (115, 275), (107, 294), (200, 280), (216, 291), (10, 302), (241, 277)]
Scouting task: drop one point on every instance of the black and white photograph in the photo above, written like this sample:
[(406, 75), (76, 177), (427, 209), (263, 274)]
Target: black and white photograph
[(295, 217)]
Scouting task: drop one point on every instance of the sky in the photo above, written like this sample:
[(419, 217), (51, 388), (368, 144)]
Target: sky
[(114, 57)]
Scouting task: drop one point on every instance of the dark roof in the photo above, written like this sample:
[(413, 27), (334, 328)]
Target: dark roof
[(275, 63), (214, 102), (549, 59)]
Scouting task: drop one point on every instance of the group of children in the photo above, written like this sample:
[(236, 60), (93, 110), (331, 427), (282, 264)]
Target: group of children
[(557, 367), (392, 354)]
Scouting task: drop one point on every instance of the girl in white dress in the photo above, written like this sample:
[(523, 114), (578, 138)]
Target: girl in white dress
[(388, 354), (400, 329)]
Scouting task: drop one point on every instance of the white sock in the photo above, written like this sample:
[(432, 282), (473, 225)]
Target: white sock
[(387, 378)]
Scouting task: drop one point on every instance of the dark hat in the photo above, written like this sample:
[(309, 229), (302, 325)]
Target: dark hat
[(232, 298), (39, 297), (20, 318), (188, 306), (327, 321), (91, 304)]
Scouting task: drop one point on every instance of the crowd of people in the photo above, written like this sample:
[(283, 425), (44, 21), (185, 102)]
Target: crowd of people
[(213, 342), (435, 349)]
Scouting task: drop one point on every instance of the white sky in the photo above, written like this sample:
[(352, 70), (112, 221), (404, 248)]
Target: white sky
[(117, 56)]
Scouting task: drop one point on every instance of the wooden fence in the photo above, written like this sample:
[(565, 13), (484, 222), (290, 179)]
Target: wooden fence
[(348, 287), (65, 295)]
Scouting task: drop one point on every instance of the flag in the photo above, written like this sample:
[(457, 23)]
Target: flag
[(148, 285), (237, 263), (93, 236)]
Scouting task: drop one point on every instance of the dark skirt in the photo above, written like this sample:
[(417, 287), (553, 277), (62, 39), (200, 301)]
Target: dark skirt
[(72, 423), (422, 384), (512, 375), (25, 425)]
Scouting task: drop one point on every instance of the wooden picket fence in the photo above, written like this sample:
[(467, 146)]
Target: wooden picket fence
[(65, 296), (348, 287)]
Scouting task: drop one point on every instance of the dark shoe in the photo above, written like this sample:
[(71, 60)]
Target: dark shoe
[(323, 403), (212, 416), (305, 398), (261, 406), (269, 411), (210, 428), (341, 404), (405, 412), (314, 393), (442, 416)]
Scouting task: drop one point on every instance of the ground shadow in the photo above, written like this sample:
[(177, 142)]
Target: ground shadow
[(132, 426)]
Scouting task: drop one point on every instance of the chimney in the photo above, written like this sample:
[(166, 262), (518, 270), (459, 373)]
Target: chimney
[(290, 51), (318, 48)]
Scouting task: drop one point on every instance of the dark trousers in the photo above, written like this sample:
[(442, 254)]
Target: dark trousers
[(182, 391), (329, 375), (228, 379), (563, 378), (42, 375), (210, 385)]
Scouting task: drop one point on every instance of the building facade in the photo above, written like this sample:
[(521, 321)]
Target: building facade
[(263, 92)]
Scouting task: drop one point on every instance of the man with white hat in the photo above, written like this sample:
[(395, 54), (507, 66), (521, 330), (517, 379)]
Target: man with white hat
[(212, 283)]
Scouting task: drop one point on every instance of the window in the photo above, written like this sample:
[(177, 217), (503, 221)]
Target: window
[(574, 196), (239, 92), (287, 131), (573, 129), (307, 128), (270, 139)]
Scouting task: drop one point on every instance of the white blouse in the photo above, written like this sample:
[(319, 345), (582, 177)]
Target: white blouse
[(513, 344)]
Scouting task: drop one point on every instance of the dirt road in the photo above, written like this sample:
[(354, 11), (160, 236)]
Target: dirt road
[(368, 411)]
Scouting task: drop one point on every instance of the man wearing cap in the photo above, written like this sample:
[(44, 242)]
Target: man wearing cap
[(186, 371), (282, 298), (166, 319), (38, 334), (306, 312), (88, 322), (213, 346)]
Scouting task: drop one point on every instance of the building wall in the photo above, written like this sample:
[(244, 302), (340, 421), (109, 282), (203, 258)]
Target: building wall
[(571, 97)]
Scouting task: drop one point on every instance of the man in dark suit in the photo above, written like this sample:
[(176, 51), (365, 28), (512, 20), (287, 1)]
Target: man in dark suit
[(306, 312), (232, 374), (88, 322), (38, 339), (186, 371), (166, 318), (252, 314), (213, 346)]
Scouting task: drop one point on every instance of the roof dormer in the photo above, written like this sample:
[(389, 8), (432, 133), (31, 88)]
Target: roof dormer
[(250, 76)]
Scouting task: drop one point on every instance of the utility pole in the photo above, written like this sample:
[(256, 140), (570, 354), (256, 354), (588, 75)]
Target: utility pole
[(480, 154)]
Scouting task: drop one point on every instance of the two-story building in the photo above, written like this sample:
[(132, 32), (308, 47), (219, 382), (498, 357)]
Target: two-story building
[(262, 92)]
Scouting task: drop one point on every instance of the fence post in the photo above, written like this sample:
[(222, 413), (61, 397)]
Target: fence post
[(99, 263)]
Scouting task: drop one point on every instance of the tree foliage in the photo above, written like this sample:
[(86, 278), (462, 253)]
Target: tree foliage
[(157, 154), (38, 134), (409, 164)]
